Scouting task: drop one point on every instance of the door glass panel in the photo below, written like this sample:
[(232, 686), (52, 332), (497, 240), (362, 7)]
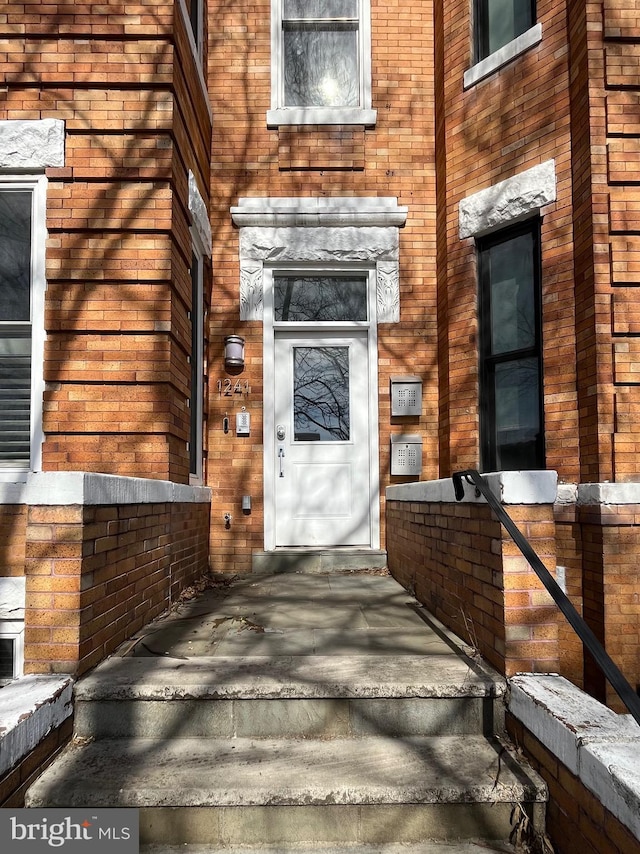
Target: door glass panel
[(310, 299), (321, 394), (15, 255)]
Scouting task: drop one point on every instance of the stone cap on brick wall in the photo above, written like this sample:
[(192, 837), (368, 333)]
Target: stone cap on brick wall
[(61, 488), (31, 708), (597, 745), (510, 487)]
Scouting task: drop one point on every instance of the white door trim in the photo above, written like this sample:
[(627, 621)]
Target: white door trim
[(269, 441)]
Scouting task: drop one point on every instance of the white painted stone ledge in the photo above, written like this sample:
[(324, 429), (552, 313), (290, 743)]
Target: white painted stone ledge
[(31, 144), (598, 494), (509, 487), (31, 708), (282, 211), (507, 202), (89, 488), (597, 745), (502, 56)]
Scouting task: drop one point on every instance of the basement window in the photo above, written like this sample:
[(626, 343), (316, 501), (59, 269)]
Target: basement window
[(11, 651)]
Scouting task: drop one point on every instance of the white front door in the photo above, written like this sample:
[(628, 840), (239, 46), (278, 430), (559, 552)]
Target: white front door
[(321, 442)]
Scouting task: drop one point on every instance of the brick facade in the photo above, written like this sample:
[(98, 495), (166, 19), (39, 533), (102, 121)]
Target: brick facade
[(126, 82), (118, 254), (394, 158), (98, 574), (465, 569)]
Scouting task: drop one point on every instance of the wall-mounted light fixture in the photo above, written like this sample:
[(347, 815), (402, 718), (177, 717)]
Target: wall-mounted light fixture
[(234, 351)]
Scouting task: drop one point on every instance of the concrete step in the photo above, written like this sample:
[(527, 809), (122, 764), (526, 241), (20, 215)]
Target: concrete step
[(289, 696), (308, 560), (421, 848), (248, 791)]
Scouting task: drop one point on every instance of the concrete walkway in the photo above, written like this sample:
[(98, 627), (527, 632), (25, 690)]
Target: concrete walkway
[(296, 614), (276, 706)]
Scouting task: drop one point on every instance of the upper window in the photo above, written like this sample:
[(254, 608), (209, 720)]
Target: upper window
[(499, 22), (21, 295), (321, 64), (511, 411), (195, 9)]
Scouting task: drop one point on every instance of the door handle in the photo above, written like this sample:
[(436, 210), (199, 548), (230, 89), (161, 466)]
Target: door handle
[(281, 458)]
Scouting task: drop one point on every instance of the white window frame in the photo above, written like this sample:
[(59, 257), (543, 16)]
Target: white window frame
[(14, 630), (281, 115), (196, 41), (503, 56), (37, 185)]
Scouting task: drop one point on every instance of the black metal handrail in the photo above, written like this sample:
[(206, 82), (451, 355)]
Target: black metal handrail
[(586, 635)]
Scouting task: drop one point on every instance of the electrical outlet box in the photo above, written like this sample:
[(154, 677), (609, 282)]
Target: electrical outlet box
[(406, 455), (406, 395)]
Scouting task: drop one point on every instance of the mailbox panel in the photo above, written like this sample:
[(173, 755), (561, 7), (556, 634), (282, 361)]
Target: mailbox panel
[(406, 395), (406, 455)]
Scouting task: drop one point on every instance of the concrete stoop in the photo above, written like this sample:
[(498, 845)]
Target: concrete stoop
[(395, 848), (354, 751)]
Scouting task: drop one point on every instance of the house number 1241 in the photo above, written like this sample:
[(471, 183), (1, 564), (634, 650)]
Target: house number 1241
[(227, 387)]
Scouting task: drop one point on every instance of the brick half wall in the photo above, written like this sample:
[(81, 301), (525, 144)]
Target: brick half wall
[(467, 571), (101, 566)]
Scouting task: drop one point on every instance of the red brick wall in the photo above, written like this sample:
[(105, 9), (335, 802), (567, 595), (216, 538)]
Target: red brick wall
[(569, 556), (576, 821), (123, 79), (611, 537), (396, 158), (13, 521), (514, 119), (96, 575), (15, 783), (466, 570)]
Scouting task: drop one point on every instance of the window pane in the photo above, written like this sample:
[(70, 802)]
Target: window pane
[(507, 19), (319, 298), (511, 273), (313, 9), (15, 397), (321, 394), (517, 414), (321, 65), (15, 255), (6, 658)]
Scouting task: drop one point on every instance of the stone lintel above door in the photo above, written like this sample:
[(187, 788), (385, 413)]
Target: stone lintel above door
[(323, 232)]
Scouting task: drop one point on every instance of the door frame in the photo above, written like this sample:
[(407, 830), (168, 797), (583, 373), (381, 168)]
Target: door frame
[(270, 331)]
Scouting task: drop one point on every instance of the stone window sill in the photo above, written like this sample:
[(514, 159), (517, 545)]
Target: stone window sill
[(321, 116), (499, 58)]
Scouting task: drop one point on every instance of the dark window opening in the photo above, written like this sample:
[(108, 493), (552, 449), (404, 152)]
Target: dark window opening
[(497, 22), (511, 404), (15, 326), (7, 669)]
